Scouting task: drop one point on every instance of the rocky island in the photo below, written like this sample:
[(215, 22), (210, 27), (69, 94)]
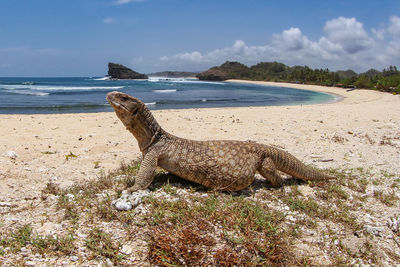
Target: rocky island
[(118, 71)]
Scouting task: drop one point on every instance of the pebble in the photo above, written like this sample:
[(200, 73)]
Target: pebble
[(373, 230), (74, 258), (11, 154), (126, 249), (5, 204), (24, 251), (308, 232), (30, 263), (129, 201), (305, 190), (394, 224)]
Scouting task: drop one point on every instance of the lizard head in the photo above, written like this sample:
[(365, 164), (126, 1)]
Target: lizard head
[(126, 107)]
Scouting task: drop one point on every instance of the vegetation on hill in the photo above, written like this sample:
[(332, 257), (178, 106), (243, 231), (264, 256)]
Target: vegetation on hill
[(387, 80), (173, 74)]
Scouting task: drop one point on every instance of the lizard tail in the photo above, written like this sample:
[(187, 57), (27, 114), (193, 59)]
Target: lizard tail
[(289, 164)]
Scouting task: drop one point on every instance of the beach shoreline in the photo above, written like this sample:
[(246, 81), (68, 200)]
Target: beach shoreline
[(337, 92)]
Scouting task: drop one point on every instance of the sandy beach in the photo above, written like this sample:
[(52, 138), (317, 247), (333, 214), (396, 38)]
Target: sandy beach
[(360, 130), (362, 119)]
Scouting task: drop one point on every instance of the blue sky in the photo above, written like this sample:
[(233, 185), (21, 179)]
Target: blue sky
[(79, 37)]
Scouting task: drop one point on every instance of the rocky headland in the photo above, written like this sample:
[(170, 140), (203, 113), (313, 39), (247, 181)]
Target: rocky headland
[(118, 71)]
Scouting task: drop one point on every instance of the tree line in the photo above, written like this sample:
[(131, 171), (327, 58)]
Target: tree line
[(387, 80)]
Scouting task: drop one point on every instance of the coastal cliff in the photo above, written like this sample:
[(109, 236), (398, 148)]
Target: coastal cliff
[(118, 71)]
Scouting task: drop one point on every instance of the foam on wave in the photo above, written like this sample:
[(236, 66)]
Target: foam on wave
[(24, 92), (165, 91)]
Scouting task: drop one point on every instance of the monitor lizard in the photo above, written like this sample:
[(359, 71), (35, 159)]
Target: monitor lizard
[(224, 165)]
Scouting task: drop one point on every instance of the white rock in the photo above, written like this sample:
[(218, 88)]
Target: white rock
[(74, 258), (30, 263), (129, 201), (5, 204), (122, 204), (81, 235), (308, 232), (52, 198), (305, 190), (70, 197), (11, 154), (127, 249), (25, 251), (49, 228), (392, 223), (373, 230)]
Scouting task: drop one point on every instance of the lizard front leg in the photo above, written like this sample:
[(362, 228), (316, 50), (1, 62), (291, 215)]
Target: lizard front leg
[(145, 175)]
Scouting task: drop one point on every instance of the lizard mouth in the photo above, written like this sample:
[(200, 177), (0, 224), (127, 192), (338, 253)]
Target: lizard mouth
[(117, 105)]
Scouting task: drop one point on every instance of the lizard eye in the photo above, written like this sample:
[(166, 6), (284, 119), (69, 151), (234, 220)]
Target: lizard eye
[(135, 111)]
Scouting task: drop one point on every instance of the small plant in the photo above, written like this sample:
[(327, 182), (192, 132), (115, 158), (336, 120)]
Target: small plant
[(44, 245), (338, 191), (387, 199), (96, 164), (101, 244), (70, 155), (48, 152)]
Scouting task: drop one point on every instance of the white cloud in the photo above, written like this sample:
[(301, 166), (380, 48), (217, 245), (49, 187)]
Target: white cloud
[(394, 28), (345, 44), (349, 33), (123, 2)]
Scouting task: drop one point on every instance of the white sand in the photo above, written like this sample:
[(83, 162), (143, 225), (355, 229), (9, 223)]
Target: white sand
[(348, 132)]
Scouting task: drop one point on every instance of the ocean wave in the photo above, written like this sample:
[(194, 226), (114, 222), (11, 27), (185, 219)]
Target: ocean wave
[(181, 80), (202, 82), (100, 79), (24, 92), (57, 87), (164, 91), (150, 103)]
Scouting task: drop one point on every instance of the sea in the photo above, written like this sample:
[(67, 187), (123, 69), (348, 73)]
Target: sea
[(87, 94)]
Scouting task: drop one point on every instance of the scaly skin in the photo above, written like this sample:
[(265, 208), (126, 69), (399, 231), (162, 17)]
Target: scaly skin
[(221, 165)]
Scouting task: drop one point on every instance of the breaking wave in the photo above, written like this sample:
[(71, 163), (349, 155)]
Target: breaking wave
[(165, 91)]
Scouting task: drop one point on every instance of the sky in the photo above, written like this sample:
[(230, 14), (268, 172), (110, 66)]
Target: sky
[(47, 38)]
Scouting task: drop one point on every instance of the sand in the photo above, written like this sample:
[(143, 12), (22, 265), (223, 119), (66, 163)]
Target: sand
[(360, 130)]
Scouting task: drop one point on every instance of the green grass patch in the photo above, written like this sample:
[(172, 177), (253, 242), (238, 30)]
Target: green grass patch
[(45, 245), (102, 244)]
